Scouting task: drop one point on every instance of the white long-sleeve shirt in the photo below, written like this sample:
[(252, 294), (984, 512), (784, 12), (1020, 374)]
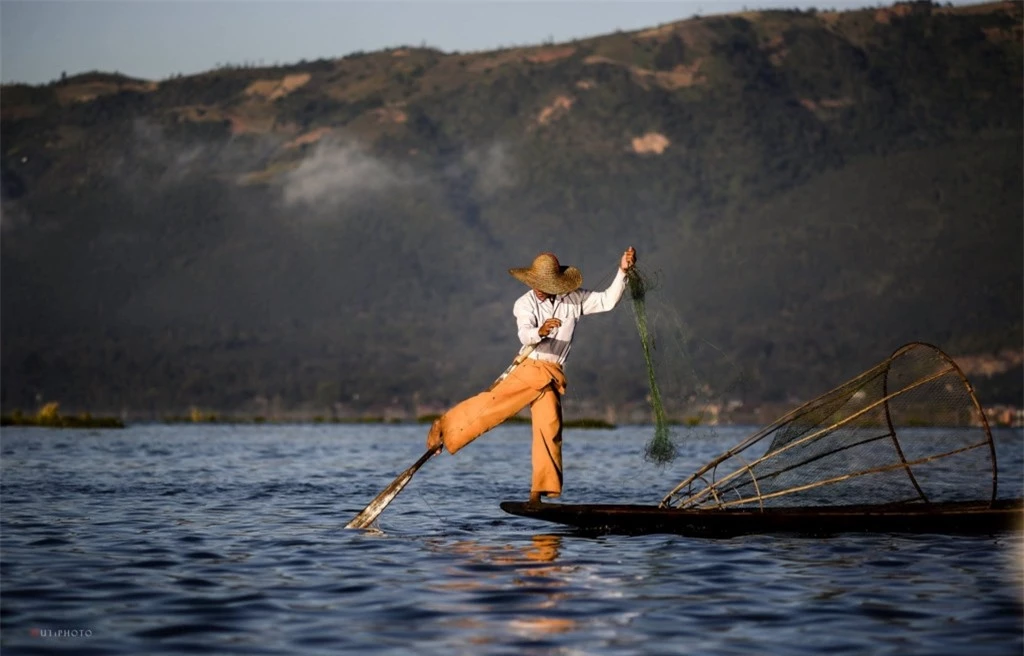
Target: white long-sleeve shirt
[(531, 313)]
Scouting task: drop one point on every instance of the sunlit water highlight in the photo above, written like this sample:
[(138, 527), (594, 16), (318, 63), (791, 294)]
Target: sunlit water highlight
[(228, 539)]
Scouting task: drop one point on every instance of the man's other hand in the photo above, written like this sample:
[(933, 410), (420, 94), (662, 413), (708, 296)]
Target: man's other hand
[(549, 326)]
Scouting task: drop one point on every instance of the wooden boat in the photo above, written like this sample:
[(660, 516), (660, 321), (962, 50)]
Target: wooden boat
[(961, 518)]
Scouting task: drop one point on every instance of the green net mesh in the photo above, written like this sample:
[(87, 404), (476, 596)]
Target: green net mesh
[(660, 449), (861, 443), (688, 377)]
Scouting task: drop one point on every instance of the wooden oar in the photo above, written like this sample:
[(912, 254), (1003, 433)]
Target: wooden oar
[(381, 501)]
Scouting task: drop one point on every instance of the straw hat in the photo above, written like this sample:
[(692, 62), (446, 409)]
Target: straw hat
[(547, 275)]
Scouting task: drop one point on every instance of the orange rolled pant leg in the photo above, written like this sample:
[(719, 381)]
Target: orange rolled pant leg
[(533, 383), (546, 415)]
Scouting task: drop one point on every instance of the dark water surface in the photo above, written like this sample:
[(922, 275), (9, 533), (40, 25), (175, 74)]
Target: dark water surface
[(228, 539)]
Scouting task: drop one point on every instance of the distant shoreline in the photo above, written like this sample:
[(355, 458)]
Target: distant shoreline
[(80, 421), (86, 421)]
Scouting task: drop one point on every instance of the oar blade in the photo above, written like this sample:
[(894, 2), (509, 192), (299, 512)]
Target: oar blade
[(377, 506), (369, 514)]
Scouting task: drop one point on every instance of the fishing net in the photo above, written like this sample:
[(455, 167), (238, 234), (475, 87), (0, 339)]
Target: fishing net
[(909, 430), (660, 449), (689, 379)]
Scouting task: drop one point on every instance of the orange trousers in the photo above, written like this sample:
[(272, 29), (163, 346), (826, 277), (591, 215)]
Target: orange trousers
[(533, 383)]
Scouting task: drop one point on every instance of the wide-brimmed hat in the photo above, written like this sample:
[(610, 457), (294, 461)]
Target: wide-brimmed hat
[(547, 275)]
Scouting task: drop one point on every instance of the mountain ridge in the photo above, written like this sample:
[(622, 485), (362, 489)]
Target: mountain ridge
[(811, 189)]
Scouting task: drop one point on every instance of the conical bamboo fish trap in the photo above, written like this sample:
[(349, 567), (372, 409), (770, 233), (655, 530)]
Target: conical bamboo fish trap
[(863, 443)]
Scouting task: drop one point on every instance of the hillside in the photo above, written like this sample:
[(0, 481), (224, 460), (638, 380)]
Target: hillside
[(810, 189)]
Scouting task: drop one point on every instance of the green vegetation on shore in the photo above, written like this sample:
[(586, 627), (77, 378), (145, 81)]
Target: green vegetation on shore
[(214, 418), (49, 416)]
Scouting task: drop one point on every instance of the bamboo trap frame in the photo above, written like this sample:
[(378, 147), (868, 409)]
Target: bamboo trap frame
[(858, 444)]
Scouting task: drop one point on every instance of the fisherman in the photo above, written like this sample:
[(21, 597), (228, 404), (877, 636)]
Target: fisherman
[(546, 318)]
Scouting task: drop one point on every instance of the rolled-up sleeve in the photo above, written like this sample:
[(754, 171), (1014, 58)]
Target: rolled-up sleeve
[(594, 302), (526, 322)]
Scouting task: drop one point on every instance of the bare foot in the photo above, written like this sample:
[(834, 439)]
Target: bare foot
[(434, 438), (534, 499)]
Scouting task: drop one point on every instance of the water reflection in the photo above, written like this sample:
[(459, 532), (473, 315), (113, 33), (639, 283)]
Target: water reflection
[(518, 588), (545, 548), (542, 548)]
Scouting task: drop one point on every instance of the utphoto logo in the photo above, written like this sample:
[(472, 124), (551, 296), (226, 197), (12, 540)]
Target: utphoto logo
[(60, 633)]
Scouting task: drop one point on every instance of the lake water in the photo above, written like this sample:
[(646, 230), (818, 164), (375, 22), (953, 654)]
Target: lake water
[(229, 540)]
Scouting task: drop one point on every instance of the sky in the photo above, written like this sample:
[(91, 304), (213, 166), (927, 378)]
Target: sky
[(156, 39)]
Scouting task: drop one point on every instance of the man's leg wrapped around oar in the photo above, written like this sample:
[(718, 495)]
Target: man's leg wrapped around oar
[(533, 383)]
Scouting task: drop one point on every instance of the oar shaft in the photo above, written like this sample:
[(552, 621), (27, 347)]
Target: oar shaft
[(523, 354)]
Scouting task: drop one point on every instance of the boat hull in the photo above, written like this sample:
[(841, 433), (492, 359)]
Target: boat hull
[(951, 518)]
